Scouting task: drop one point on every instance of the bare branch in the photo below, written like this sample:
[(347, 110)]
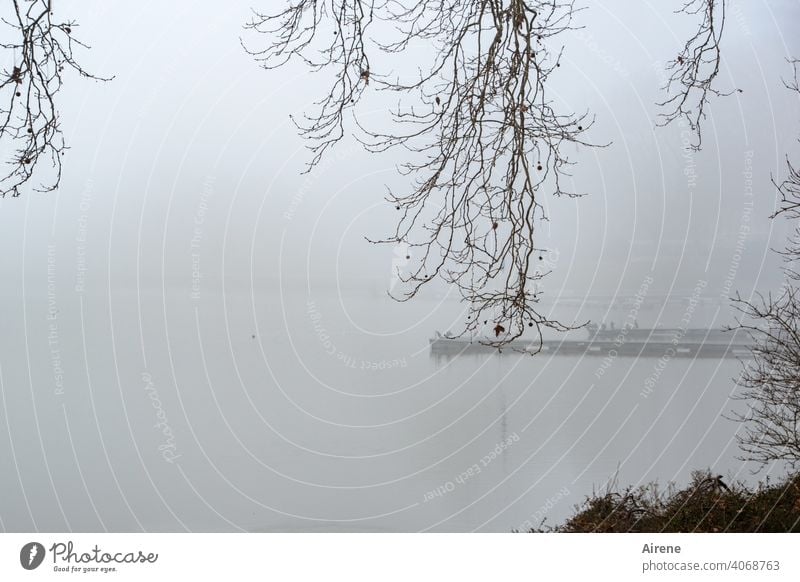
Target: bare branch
[(483, 139), (789, 189), (693, 72), (771, 379), (42, 50)]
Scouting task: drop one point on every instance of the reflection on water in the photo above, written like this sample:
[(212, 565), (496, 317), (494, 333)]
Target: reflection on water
[(295, 412)]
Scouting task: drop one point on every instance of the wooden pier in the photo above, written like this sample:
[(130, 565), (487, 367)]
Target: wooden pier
[(695, 347)]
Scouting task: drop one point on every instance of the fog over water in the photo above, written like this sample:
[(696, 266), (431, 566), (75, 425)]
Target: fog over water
[(197, 336)]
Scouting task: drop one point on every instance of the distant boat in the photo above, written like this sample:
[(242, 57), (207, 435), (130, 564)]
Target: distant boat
[(625, 342)]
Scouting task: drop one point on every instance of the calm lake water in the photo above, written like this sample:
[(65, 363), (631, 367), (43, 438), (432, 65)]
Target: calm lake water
[(273, 411)]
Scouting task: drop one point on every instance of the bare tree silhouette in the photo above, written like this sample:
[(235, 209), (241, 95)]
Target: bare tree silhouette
[(771, 379), (42, 50), (484, 138), (692, 74)]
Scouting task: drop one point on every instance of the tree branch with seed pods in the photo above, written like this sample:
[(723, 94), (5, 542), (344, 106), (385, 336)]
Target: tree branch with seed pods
[(482, 138), (42, 51)]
